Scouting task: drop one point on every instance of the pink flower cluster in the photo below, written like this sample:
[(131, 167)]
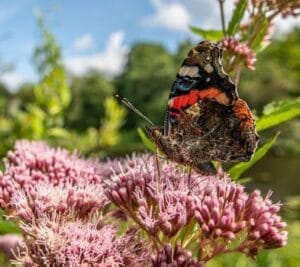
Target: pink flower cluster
[(57, 242), (225, 211), (41, 179), (58, 201), (235, 47), (160, 204), (215, 210), (61, 202)]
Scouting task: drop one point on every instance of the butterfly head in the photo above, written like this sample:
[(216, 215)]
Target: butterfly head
[(154, 133)]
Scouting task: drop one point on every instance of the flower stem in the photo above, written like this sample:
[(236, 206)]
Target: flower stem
[(221, 4)]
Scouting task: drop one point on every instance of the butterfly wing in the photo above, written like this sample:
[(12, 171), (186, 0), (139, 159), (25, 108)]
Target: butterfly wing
[(212, 131), (200, 76)]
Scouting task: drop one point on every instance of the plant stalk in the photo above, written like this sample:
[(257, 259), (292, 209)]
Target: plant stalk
[(221, 4)]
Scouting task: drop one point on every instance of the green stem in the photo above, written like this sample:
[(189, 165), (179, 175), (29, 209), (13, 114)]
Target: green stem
[(221, 4)]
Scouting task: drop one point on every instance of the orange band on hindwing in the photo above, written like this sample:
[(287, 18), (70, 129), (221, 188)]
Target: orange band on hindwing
[(242, 111)]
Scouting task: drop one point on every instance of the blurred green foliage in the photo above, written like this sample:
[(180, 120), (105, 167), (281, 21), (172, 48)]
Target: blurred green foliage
[(277, 72), (84, 116), (86, 108), (146, 80)]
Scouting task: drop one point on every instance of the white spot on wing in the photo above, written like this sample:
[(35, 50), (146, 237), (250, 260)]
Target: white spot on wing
[(208, 68), (189, 71)]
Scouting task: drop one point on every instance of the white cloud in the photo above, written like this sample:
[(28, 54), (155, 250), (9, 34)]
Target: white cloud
[(111, 61), (171, 15), (84, 42), (284, 25), (206, 13), (178, 14), (13, 80)]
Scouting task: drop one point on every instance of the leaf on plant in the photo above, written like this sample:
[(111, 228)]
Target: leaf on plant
[(146, 141), (262, 31), (7, 226), (278, 112), (237, 16), (238, 169), (58, 132), (211, 35), (244, 180)]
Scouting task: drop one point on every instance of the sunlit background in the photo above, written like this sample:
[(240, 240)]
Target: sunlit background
[(133, 48)]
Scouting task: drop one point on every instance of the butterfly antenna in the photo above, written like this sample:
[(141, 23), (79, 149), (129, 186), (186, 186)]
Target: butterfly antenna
[(128, 104)]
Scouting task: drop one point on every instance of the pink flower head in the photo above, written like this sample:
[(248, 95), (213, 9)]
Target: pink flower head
[(41, 179), (161, 202), (179, 257), (235, 47), (57, 242), (78, 201), (226, 212)]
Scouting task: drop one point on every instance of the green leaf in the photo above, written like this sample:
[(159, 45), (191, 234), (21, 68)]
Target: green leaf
[(146, 141), (263, 28), (7, 226), (244, 180), (238, 169), (237, 16), (58, 132), (278, 112), (211, 35)]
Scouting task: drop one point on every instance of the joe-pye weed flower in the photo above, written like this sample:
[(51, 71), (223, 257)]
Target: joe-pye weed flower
[(213, 216), (66, 208), (57, 200)]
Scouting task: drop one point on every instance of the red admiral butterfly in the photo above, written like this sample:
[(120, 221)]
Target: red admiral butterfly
[(206, 120)]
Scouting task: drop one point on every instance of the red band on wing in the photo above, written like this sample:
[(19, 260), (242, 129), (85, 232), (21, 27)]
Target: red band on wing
[(184, 101)]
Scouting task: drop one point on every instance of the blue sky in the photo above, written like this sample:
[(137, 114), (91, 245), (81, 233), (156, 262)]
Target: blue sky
[(98, 33)]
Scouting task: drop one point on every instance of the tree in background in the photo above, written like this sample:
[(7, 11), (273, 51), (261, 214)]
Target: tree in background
[(43, 110), (277, 72), (86, 109), (52, 93), (146, 79), (5, 96)]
